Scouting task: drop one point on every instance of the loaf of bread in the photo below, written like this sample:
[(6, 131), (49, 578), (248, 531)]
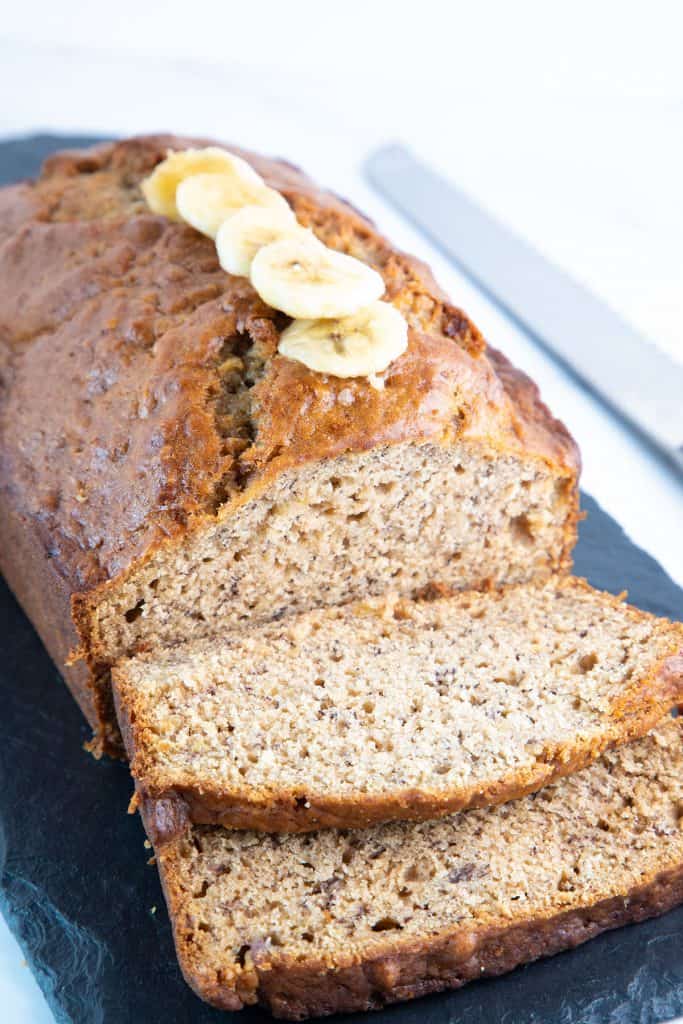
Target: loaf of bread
[(164, 473), (392, 710), (342, 921)]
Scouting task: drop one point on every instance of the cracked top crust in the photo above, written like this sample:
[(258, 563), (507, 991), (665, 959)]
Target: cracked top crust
[(140, 386)]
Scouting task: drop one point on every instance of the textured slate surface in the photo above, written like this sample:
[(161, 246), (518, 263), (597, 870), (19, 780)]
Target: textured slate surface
[(79, 896)]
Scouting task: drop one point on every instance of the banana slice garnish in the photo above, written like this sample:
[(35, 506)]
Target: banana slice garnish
[(241, 236), (354, 346), (159, 189), (339, 327), (306, 280), (206, 200)]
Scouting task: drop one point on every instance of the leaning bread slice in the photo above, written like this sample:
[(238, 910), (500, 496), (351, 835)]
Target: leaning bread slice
[(381, 711), (341, 921)]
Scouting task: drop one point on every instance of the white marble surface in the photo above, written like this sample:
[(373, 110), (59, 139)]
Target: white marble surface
[(567, 122)]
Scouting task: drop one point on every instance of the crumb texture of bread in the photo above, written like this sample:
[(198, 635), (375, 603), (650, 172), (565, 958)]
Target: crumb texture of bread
[(351, 920), (396, 709), (176, 470)]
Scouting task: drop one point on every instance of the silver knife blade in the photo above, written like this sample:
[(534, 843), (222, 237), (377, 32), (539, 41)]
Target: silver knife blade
[(632, 376)]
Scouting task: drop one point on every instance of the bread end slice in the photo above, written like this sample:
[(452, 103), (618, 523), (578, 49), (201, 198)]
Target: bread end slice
[(340, 921), (295, 991)]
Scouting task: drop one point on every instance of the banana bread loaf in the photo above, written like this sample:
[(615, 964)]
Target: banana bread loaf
[(336, 921), (177, 472), (395, 710)]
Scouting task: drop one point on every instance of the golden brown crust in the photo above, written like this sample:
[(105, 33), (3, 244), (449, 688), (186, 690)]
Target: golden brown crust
[(294, 993), (25, 564), (536, 425), (126, 314)]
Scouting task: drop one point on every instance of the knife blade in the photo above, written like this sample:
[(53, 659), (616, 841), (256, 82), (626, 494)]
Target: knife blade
[(637, 380)]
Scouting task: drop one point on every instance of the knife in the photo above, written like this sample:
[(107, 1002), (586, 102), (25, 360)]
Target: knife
[(638, 381)]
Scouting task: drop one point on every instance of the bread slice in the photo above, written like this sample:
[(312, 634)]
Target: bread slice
[(398, 710), (342, 921), (185, 477)]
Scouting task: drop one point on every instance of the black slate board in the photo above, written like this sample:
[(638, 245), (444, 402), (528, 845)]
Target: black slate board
[(78, 894)]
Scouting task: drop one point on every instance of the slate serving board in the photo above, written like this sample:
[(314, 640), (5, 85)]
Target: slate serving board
[(88, 910)]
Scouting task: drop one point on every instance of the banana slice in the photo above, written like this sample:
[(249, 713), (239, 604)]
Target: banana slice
[(159, 189), (241, 236), (206, 200), (354, 346), (306, 280)]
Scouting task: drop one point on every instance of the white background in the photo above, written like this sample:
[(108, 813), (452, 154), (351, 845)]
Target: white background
[(566, 120)]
